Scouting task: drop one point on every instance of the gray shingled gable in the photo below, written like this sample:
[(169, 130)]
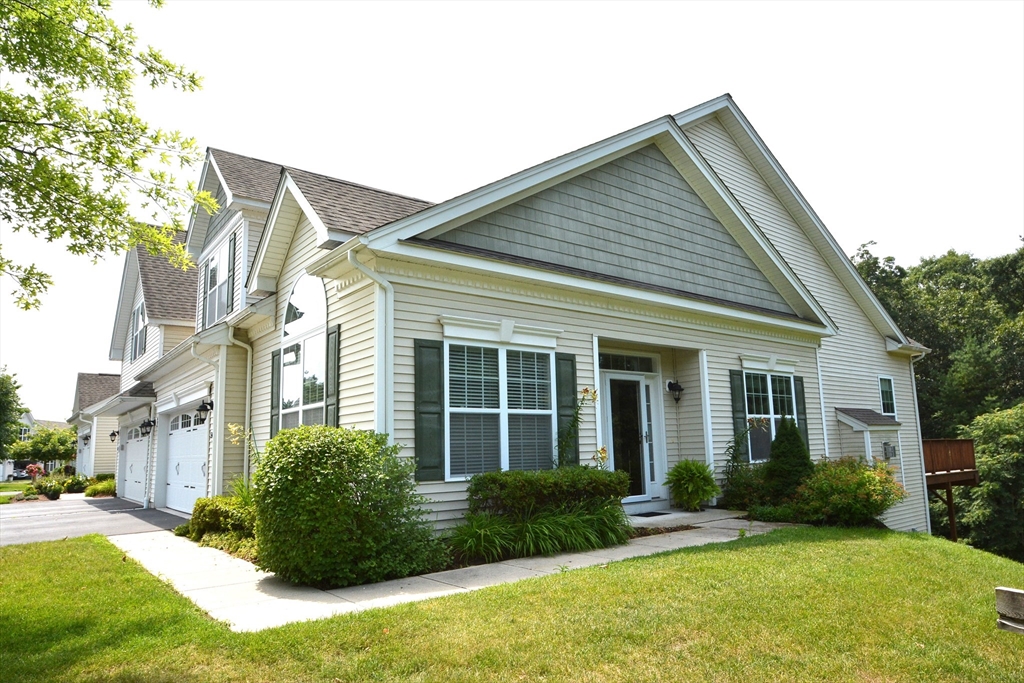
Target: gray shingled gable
[(349, 207), (169, 292), (93, 388), (248, 177)]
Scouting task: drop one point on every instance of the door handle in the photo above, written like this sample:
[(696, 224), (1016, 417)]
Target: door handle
[(131, 468), (177, 468), (204, 469)]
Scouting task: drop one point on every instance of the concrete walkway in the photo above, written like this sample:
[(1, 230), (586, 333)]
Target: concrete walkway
[(234, 591)]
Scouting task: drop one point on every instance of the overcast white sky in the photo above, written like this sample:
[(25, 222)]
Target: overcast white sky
[(901, 123)]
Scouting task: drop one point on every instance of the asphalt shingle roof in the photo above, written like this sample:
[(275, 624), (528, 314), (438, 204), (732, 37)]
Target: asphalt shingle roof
[(869, 417), (349, 207), (248, 177), (93, 388), (170, 292)]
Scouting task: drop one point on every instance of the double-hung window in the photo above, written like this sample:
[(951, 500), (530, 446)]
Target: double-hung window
[(770, 397), (218, 283), (138, 334), (888, 395), (304, 354), (500, 409)]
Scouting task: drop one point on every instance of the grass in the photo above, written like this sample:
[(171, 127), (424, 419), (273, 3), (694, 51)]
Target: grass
[(21, 485), (800, 604)]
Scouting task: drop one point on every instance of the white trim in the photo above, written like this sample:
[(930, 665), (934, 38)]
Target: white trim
[(502, 331), (551, 278), (920, 447), (705, 409), (821, 398), (772, 415), (177, 399), (771, 363), (858, 426), (598, 423), (881, 399)]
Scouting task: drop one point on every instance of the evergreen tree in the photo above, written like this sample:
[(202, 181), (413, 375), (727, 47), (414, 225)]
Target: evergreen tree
[(788, 464)]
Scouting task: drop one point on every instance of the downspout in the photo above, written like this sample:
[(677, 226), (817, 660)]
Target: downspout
[(920, 446), (218, 448), (248, 400), (387, 343)]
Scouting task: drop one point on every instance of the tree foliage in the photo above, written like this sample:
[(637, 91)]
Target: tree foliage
[(76, 160), (789, 463), (11, 411), (50, 445), (970, 312)]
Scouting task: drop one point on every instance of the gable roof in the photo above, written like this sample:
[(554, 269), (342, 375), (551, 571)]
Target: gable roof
[(93, 388), (169, 293), (864, 419), (338, 210), (246, 177)]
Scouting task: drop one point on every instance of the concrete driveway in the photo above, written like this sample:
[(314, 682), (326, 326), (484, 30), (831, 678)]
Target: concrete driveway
[(75, 515)]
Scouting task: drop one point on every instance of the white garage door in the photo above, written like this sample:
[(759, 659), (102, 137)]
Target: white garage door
[(136, 465), (187, 446)]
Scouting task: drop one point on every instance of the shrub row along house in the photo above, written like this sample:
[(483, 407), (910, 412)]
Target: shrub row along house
[(673, 267)]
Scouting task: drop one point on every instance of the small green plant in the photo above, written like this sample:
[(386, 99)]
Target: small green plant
[(788, 464), (221, 514), (691, 482), (744, 481), (103, 489), (847, 492), (76, 483), (787, 513), (742, 533), (51, 487), (568, 437), (182, 529)]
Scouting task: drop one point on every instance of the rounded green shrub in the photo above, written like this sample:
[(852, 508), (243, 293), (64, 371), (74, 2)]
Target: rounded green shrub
[(847, 492), (691, 482), (788, 464), (524, 493), (221, 514), (337, 507)]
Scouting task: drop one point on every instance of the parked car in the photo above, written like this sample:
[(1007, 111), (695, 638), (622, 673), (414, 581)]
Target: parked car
[(19, 474)]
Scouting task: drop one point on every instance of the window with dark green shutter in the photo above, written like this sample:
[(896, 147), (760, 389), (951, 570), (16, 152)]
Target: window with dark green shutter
[(332, 386), (565, 381), (429, 409), (275, 392)]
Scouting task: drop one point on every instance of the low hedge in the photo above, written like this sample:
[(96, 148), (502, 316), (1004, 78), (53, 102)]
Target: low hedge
[(524, 494), (104, 476), (221, 514), (107, 487)]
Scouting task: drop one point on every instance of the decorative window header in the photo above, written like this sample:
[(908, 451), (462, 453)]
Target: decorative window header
[(770, 363), (503, 331)]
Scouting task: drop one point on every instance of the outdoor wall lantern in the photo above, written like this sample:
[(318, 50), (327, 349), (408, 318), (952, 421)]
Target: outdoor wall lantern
[(86, 439), (146, 426), (113, 436), (201, 412), (676, 389)]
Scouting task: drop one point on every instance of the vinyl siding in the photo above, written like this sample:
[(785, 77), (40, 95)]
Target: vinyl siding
[(421, 295), (105, 451), (174, 335), (355, 310), (634, 218), (234, 413), (130, 368), (219, 219), (852, 360)]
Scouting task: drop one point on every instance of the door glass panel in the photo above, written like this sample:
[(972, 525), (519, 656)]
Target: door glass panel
[(627, 432), (649, 434)]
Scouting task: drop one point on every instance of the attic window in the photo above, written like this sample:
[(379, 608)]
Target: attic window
[(138, 334), (219, 282)]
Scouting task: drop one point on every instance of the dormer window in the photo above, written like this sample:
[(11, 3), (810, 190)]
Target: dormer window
[(138, 333), (219, 283)]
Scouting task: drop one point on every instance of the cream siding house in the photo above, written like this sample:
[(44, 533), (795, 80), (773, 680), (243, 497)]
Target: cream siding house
[(97, 452), (678, 251)]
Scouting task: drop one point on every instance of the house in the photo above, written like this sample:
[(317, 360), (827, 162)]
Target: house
[(29, 424), (674, 267), (97, 451)]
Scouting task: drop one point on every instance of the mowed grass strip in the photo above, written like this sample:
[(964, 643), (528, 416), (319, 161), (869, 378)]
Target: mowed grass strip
[(798, 604)]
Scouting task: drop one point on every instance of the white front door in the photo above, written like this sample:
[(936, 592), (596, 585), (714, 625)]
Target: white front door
[(136, 467), (635, 432), (187, 448)]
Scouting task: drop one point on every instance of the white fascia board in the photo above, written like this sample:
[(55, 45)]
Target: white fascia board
[(261, 248), (808, 300), (323, 234), (853, 279), (491, 197), (551, 278), (181, 354), (171, 322), (690, 116), (913, 350), (335, 262), (195, 207), (242, 203), (228, 198), (124, 304)]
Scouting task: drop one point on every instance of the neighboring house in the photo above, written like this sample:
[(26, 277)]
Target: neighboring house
[(678, 252), (29, 424), (97, 452)]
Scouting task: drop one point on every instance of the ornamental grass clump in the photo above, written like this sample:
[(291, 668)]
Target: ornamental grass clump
[(338, 507)]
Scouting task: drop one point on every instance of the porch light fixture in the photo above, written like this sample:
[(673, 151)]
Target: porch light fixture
[(676, 389), (113, 436), (146, 426), (86, 439), (201, 412)]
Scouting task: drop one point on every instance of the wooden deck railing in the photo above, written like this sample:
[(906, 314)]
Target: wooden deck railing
[(948, 455)]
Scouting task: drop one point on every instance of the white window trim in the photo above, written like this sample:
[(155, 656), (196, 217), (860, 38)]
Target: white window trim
[(139, 317), (301, 341), (881, 399), (771, 405), (768, 364), (497, 332), (213, 251), (503, 410)]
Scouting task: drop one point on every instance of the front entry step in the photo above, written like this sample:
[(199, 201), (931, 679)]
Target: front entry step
[(655, 505)]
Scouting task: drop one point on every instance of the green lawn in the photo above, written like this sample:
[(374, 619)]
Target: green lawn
[(21, 485), (799, 604)]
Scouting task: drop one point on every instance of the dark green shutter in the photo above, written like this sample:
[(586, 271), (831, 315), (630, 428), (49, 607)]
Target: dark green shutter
[(331, 382), (739, 408), (275, 392), (801, 410), (231, 273), (565, 393), (429, 409)]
